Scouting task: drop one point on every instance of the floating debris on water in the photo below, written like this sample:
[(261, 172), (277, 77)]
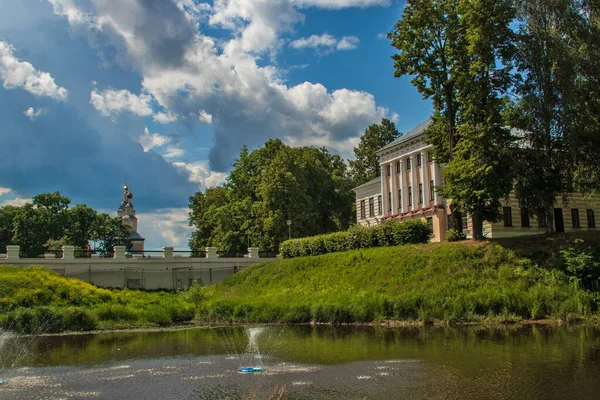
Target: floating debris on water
[(247, 370)]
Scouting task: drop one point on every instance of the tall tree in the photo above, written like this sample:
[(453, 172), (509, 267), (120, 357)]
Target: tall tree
[(110, 232), (432, 50), (82, 221), (7, 217), (365, 166), (543, 112), (479, 174)]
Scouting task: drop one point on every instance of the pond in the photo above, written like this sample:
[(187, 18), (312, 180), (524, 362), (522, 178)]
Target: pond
[(305, 362)]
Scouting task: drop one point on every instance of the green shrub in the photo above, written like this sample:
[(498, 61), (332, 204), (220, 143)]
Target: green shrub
[(452, 235), (181, 313), (48, 320), (22, 320), (390, 233), (116, 312), (158, 315), (77, 319), (297, 315)]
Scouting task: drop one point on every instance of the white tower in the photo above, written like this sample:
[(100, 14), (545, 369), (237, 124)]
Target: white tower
[(127, 214)]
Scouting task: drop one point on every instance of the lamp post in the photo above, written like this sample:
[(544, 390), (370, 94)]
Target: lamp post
[(289, 224)]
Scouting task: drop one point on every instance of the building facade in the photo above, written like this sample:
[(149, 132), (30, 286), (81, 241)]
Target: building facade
[(406, 188)]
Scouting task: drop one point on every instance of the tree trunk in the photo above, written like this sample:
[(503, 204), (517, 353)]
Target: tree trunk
[(456, 219), (477, 227), (549, 220)]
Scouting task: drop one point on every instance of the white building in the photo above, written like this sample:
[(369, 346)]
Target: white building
[(127, 214)]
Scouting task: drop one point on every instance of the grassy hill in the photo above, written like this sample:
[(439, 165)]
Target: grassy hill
[(435, 282), (37, 300)]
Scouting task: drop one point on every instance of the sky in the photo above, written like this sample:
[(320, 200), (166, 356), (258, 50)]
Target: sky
[(163, 94)]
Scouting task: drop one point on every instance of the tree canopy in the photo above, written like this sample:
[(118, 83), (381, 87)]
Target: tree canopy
[(47, 223), (267, 188)]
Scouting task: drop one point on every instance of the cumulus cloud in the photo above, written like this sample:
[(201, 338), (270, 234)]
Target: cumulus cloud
[(32, 113), (110, 102), (225, 81), (164, 118), (17, 202), (173, 152), (165, 227), (20, 74), (199, 172), (4, 191), (151, 140), (326, 41)]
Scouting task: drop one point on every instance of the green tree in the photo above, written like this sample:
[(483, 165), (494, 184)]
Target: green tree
[(479, 174), (110, 232), (543, 112), (365, 166), (433, 51), (7, 217), (266, 188), (80, 227)]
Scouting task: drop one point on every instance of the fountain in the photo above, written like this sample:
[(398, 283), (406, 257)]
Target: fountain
[(252, 350)]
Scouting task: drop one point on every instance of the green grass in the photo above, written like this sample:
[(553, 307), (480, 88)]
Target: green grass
[(450, 282), (37, 300)]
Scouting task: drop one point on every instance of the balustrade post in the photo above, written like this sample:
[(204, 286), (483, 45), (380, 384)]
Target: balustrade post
[(12, 252)]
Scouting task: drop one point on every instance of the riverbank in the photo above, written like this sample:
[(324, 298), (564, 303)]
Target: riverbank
[(539, 280)]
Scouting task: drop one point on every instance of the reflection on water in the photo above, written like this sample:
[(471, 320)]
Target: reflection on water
[(311, 362)]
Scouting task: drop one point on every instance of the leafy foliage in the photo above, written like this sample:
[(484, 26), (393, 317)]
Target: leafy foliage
[(265, 189), (452, 235), (365, 166), (391, 233)]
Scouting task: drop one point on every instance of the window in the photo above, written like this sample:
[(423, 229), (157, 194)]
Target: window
[(389, 201), (362, 209), (379, 204), (429, 156), (590, 219), (525, 217), (575, 218), (507, 211), (408, 164), (431, 191), (371, 207), (389, 169), (399, 199), (419, 160), (449, 221), (410, 196), (465, 223), (430, 223), (398, 167), (420, 193)]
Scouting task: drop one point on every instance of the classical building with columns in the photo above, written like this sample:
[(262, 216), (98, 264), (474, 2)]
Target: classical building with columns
[(406, 188)]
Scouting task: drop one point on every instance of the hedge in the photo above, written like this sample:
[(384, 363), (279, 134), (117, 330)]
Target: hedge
[(390, 233)]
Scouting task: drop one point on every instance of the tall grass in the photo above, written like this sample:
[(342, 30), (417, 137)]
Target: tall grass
[(449, 282), (37, 300)]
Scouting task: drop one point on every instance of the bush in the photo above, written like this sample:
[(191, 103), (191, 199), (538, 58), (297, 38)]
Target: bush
[(390, 233), (452, 235), (77, 319), (116, 312), (158, 315), (180, 313), (48, 320)]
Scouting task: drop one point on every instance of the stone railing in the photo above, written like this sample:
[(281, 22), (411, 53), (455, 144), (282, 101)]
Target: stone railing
[(120, 253)]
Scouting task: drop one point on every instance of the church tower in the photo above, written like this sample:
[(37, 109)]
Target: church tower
[(127, 214)]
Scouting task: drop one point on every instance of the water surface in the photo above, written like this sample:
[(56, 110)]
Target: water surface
[(509, 362)]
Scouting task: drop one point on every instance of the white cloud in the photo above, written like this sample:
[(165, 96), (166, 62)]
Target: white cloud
[(205, 117), (67, 9), (326, 41), (201, 173), (173, 152), (110, 102), (33, 114), (165, 227), (21, 74), (4, 190), (164, 118), (17, 202), (150, 141), (339, 4)]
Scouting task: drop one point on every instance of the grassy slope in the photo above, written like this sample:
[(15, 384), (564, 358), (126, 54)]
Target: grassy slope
[(36, 300), (449, 281)]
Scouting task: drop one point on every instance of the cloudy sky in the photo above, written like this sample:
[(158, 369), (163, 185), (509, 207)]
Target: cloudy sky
[(164, 93)]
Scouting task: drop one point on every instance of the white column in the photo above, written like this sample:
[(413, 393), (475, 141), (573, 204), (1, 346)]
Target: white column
[(425, 178), (383, 191), (413, 182), (403, 185), (437, 181), (253, 252), (168, 252), (394, 189), (211, 252), (119, 252), (68, 252)]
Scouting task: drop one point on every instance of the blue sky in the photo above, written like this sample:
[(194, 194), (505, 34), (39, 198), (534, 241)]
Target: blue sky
[(164, 93)]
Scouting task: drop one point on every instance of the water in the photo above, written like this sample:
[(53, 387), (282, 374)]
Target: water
[(518, 362)]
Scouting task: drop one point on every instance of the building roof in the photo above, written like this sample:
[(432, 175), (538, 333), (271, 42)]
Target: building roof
[(416, 131), (372, 181)]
